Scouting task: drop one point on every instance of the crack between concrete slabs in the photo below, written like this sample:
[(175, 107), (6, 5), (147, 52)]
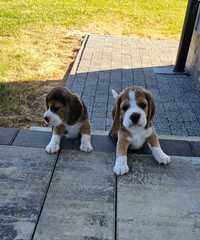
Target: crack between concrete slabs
[(45, 195), (115, 209)]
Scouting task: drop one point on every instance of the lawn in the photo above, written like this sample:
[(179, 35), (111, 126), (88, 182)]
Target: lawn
[(40, 38)]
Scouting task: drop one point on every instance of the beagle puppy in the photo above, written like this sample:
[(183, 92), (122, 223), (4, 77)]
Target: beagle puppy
[(67, 114), (132, 126)]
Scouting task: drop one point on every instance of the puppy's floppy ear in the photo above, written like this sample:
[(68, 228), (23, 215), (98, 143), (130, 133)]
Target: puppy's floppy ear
[(47, 100), (115, 94), (116, 119), (75, 110), (151, 107)]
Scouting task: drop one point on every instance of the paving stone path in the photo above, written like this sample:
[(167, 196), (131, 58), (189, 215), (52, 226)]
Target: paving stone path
[(109, 62), (73, 195)]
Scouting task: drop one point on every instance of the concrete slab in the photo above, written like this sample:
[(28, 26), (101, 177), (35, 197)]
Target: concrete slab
[(36, 139), (195, 148), (39, 139), (41, 129), (157, 202), (80, 202), (7, 135), (102, 143), (179, 148), (24, 178), (99, 142)]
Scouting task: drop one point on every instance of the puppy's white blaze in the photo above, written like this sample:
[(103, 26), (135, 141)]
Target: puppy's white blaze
[(134, 109), (54, 119), (115, 94), (121, 166), (86, 143)]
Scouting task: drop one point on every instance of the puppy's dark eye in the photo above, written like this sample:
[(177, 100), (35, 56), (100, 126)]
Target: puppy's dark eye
[(142, 105), (125, 107), (54, 109)]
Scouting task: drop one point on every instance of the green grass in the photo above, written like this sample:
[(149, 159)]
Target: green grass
[(37, 42), (139, 17), (24, 22)]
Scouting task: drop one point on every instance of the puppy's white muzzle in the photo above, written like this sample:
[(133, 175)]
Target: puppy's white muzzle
[(53, 119)]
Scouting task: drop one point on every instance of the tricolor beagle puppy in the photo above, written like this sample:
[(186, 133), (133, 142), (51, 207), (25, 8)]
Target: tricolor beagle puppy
[(133, 113), (67, 114)]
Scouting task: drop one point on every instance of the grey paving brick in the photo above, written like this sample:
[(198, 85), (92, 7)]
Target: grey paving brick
[(188, 116), (162, 125), (192, 127), (89, 93), (195, 148), (101, 99), (112, 62), (178, 128), (108, 123), (98, 123), (98, 114), (88, 99)]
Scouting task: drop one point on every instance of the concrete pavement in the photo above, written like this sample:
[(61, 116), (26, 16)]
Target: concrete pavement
[(74, 195)]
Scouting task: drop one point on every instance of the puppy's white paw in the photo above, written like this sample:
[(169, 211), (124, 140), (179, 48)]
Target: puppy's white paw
[(86, 147), (86, 143), (160, 156), (52, 147), (121, 166)]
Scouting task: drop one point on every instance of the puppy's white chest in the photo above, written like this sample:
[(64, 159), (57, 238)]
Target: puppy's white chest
[(72, 130), (139, 136)]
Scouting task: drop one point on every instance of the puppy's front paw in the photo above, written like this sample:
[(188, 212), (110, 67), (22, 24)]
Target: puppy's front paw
[(160, 156), (52, 147), (86, 143), (121, 166), (86, 147), (164, 158)]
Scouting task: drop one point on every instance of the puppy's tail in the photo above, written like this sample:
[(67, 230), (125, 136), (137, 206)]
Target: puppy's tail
[(115, 94)]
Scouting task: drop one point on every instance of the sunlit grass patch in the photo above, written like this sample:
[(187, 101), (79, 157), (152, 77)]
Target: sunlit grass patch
[(37, 44), (31, 65), (32, 31), (36, 55)]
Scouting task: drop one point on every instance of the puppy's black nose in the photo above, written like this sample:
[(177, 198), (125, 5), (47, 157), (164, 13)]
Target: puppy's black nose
[(135, 117), (46, 119)]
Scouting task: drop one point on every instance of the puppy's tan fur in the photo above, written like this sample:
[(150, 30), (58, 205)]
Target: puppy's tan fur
[(124, 136), (72, 112), (71, 108), (142, 95)]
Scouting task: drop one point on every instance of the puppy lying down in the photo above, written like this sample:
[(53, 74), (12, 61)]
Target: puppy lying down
[(133, 113), (67, 114)]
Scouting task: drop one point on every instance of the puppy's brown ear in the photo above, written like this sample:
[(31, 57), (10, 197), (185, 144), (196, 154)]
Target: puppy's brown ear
[(75, 110), (151, 107), (116, 119), (47, 100)]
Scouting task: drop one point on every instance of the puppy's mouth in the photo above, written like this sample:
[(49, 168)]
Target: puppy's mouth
[(45, 123), (51, 123), (134, 125)]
